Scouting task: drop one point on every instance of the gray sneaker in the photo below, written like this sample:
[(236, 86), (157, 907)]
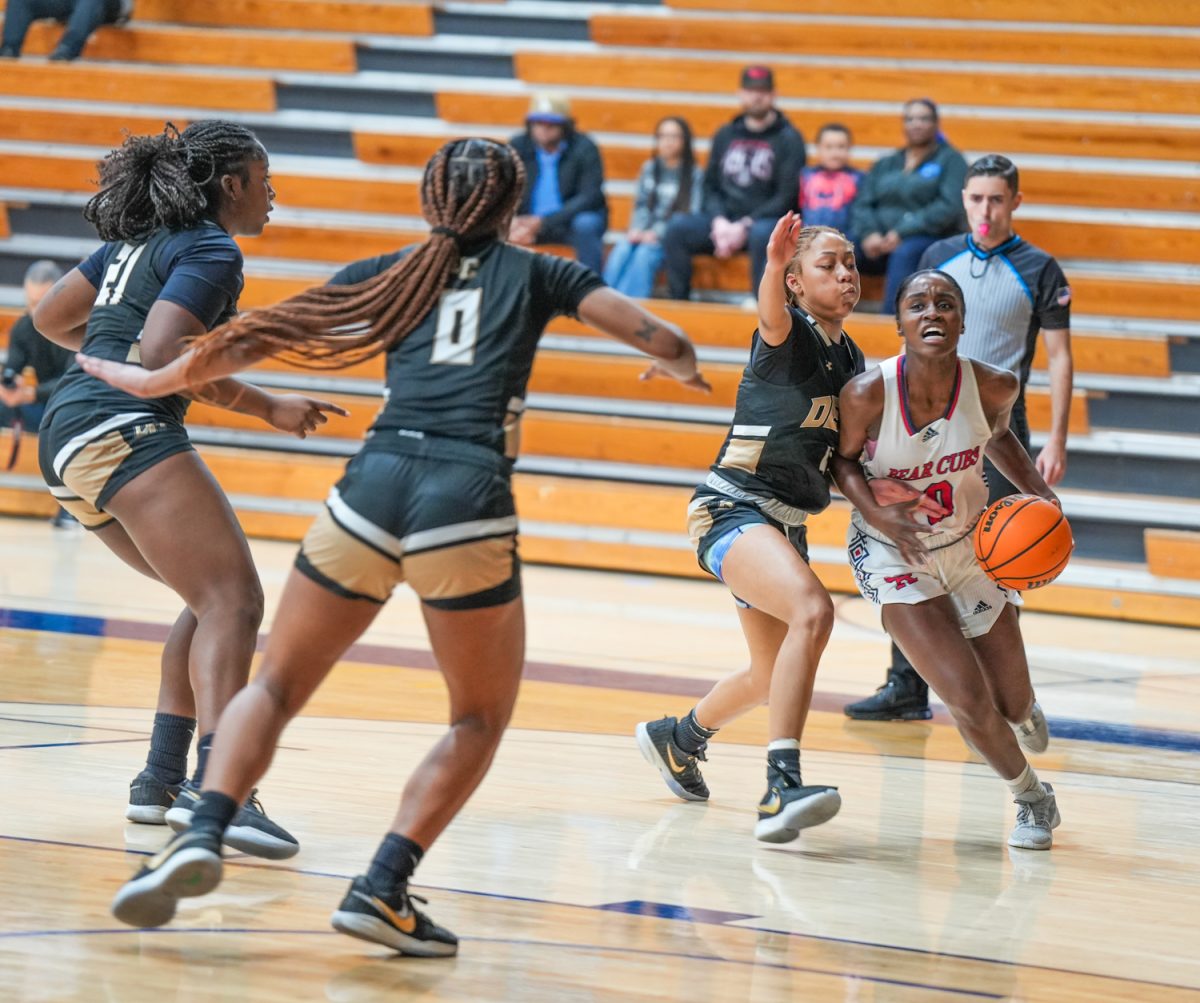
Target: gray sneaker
[(149, 799), (1036, 821), (250, 832), (1033, 734)]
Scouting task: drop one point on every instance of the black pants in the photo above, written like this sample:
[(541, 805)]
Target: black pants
[(688, 234), (998, 487), (81, 17)]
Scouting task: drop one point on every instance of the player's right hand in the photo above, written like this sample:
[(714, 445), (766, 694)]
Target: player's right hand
[(132, 380)]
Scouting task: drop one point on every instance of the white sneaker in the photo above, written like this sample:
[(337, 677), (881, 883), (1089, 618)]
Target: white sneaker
[(1033, 734), (1036, 821)]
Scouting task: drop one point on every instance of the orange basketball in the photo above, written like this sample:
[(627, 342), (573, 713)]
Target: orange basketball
[(1023, 542)]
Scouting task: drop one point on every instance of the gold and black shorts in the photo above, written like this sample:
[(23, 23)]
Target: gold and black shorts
[(87, 456), (437, 514)]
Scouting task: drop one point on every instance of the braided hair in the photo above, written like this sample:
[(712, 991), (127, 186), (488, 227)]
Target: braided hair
[(171, 180), (470, 187)]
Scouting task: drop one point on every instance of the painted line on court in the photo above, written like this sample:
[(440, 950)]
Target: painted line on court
[(73, 724), (63, 745), (500, 896), (527, 942), (576, 675)]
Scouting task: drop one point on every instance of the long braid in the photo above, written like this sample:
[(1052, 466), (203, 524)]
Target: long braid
[(469, 187), (171, 180)]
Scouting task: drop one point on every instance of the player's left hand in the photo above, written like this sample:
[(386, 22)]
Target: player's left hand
[(781, 246), (299, 415), (696, 381), (1051, 462)]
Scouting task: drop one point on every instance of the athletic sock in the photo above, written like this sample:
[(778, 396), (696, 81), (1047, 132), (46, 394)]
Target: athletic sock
[(213, 813), (169, 744), (393, 864), (1027, 786), (783, 756), (202, 749), (690, 735)]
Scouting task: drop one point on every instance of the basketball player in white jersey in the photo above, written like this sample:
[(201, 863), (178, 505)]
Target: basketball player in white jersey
[(926, 418)]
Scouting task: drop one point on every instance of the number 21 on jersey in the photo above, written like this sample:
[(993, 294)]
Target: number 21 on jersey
[(457, 330), (116, 275)]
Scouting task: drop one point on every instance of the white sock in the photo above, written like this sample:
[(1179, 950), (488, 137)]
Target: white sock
[(783, 743), (1027, 784)]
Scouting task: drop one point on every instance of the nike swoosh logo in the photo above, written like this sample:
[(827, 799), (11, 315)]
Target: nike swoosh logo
[(405, 924), (674, 766), (772, 805)]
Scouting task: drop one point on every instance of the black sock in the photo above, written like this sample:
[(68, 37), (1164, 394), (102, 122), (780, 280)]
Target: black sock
[(783, 761), (213, 813), (202, 749), (169, 744), (690, 735), (393, 864)]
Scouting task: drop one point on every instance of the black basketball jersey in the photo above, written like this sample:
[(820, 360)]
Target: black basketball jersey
[(199, 269), (462, 372), (785, 420)]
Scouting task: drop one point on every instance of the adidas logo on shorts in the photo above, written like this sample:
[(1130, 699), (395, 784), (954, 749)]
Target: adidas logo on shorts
[(930, 433), (981, 607)]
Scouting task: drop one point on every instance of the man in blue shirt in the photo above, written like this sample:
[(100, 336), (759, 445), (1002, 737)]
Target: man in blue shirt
[(564, 197)]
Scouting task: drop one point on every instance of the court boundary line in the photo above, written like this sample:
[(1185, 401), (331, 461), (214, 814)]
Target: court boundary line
[(247, 862), (391, 656)]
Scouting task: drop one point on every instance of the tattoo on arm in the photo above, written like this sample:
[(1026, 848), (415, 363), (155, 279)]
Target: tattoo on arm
[(646, 331)]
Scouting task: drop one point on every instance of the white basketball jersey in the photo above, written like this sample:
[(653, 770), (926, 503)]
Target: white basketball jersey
[(944, 459)]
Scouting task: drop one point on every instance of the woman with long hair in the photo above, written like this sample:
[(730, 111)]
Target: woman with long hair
[(747, 523), (668, 183), (427, 500), (169, 270)]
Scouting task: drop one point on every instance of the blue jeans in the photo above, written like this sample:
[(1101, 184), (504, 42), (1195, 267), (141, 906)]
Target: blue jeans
[(82, 17), (587, 238), (632, 268)]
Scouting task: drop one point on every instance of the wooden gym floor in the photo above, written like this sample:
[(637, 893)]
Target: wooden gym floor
[(572, 875)]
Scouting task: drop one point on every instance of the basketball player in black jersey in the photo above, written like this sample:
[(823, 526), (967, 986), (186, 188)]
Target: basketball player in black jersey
[(168, 209), (427, 500), (747, 521)]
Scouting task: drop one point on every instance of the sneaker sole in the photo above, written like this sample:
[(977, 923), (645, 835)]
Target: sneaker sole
[(376, 931), (243, 838), (786, 826), (146, 814), (919, 714), (650, 754), (151, 901)]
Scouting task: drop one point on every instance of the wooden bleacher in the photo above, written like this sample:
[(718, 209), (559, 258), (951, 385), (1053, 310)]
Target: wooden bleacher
[(608, 460)]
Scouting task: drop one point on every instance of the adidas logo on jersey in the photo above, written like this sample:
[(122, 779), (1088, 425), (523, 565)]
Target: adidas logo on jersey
[(981, 607), (930, 433)]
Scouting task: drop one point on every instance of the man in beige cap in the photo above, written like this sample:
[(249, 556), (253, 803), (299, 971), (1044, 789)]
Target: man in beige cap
[(564, 191)]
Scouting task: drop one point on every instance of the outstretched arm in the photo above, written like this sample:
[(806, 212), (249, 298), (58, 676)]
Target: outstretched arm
[(617, 315), (774, 319)]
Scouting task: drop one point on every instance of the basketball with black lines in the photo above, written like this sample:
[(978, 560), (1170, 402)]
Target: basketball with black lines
[(1023, 542)]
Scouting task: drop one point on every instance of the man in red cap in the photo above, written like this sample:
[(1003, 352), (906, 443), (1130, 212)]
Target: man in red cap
[(752, 179)]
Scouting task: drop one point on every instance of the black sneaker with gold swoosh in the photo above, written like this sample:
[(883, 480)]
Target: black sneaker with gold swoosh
[(392, 921), (150, 799), (250, 831), (679, 769), (189, 865), (789, 806)]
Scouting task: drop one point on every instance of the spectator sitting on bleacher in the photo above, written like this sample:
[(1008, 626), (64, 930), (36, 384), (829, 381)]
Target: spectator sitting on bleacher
[(668, 183), (908, 200), (564, 183), (27, 349), (828, 190), (752, 179), (81, 18)]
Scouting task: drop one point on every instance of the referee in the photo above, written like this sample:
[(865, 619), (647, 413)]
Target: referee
[(1013, 290)]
